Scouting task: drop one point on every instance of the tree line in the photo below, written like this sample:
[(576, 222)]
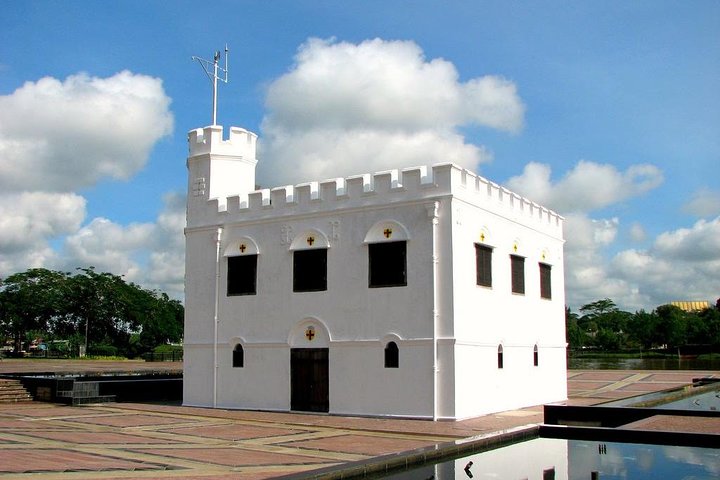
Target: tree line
[(602, 325), (100, 311)]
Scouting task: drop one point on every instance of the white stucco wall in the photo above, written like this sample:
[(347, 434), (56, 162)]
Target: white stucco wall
[(446, 327)]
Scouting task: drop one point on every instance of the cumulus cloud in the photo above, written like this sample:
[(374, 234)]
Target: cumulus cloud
[(700, 243), (57, 136), (352, 108), (29, 220), (637, 232), (586, 274), (62, 135), (151, 254), (588, 186), (680, 262), (705, 203)]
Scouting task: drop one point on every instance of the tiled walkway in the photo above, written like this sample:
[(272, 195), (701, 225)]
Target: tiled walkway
[(42, 441)]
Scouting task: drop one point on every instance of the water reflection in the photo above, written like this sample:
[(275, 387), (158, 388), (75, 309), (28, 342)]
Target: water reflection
[(637, 461), (546, 459), (708, 401), (579, 363)]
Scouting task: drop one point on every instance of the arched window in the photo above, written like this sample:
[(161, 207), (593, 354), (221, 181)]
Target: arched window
[(500, 356), (310, 250), (536, 356), (242, 261), (387, 254), (238, 359), (392, 355)]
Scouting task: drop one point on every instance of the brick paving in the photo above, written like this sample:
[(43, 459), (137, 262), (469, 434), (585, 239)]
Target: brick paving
[(133, 440)]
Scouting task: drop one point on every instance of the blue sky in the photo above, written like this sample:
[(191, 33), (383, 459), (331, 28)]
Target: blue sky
[(607, 112)]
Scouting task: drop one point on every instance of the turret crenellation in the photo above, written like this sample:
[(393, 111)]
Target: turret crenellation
[(207, 140)]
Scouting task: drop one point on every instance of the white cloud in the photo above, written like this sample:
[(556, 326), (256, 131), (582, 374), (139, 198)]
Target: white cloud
[(589, 186), (57, 136), (347, 109), (29, 221), (150, 254), (31, 218), (637, 232), (586, 274), (705, 203), (700, 243), (108, 246), (682, 262), (62, 135), (680, 265)]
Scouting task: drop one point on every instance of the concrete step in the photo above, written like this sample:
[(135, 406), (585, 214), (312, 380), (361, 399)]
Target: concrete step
[(12, 391)]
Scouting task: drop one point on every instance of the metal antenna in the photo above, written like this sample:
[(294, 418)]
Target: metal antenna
[(207, 66)]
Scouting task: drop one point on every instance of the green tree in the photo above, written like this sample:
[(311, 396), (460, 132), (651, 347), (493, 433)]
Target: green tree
[(605, 324), (31, 300), (575, 335), (642, 329), (672, 325), (97, 309)]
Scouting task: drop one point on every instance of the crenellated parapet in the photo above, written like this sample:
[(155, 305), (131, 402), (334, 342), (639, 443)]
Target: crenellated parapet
[(209, 140), (382, 189), (481, 191)]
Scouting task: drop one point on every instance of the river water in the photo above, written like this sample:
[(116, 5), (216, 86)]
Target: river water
[(575, 363)]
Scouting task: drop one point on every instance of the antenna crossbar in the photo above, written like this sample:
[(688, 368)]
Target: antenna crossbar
[(211, 69)]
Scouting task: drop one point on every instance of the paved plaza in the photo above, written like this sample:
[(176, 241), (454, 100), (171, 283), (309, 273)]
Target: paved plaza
[(132, 440)]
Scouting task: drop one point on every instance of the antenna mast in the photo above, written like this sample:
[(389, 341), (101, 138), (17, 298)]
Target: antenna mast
[(207, 66)]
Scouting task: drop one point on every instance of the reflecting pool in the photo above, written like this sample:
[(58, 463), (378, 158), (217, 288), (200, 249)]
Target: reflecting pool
[(548, 458), (708, 401)]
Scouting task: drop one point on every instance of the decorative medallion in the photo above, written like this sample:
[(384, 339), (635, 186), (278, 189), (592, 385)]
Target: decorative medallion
[(243, 247), (310, 333), (482, 237), (310, 240), (198, 188), (515, 247), (285, 234), (388, 232)]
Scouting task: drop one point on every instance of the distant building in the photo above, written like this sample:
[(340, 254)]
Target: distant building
[(424, 292), (691, 305)]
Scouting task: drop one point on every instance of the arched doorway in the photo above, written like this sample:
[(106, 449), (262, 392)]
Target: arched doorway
[(309, 367)]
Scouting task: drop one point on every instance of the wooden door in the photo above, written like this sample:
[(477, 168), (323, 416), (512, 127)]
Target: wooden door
[(309, 380)]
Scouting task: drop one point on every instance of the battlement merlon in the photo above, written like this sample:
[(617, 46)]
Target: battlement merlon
[(382, 188), (209, 140)]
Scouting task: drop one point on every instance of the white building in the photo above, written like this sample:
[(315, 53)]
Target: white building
[(425, 292)]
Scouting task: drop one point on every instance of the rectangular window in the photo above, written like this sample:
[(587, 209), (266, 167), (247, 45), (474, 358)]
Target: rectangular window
[(387, 264), (242, 275), (545, 290), (310, 270), (483, 265), (517, 270)]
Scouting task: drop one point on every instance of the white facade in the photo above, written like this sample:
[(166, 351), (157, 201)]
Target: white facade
[(448, 329)]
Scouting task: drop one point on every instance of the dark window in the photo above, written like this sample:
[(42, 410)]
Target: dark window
[(242, 274), (545, 290), (483, 265), (500, 357), (238, 356), (392, 355), (387, 264), (536, 356), (517, 265), (310, 270)]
